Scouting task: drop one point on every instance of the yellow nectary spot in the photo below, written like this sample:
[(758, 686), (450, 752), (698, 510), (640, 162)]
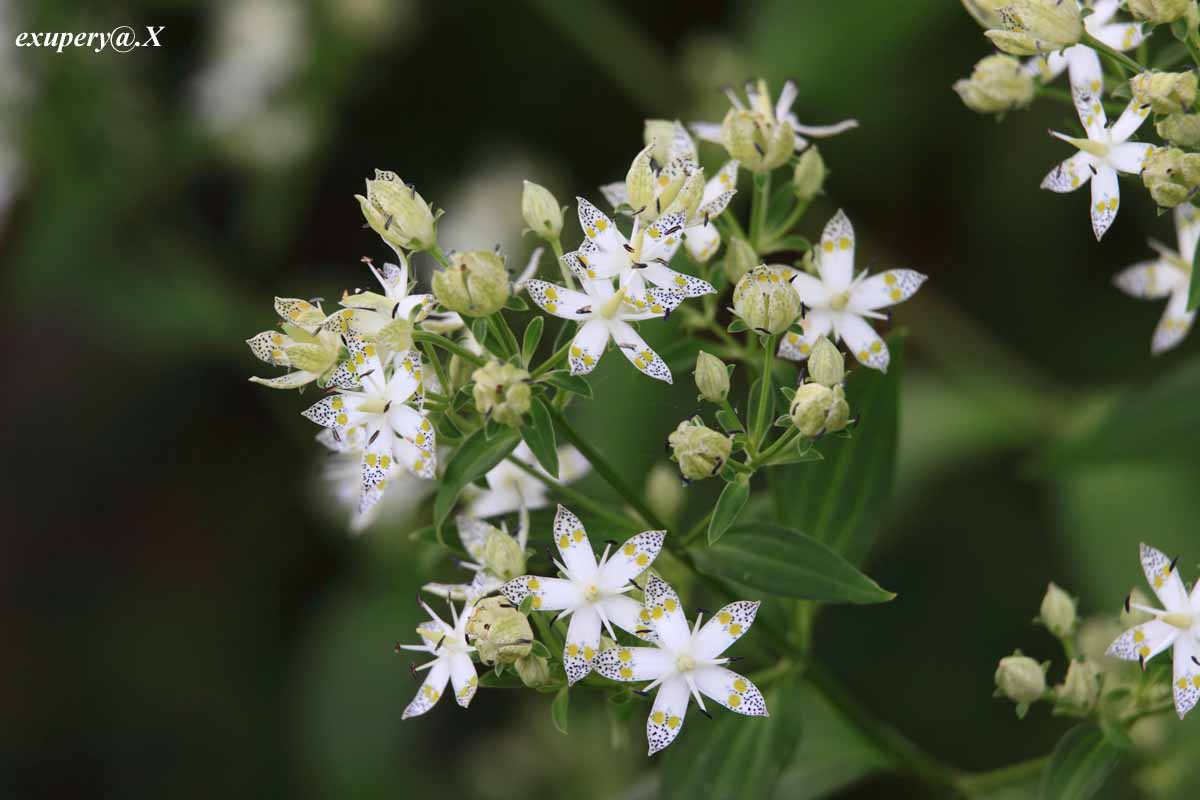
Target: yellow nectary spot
[(663, 180), (419, 465), (654, 233), (576, 352), (643, 560), (1100, 206), (534, 584), (1158, 582), (740, 685), (591, 273), (724, 617), (671, 604), (1095, 86), (588, 359), (844, 243), (1112, 204), (564, 542), (625, 655), (337, 403), (805, 349), (537, 602), (1196, 681), (359, 359), (1074, 181), (342, 419), (657, 717), (551, 293), (889, 279), (735, 629), (370, 351), (682, 281), (385, 462), (734, 701), (371, 459), (295, 312), (629, 549), (572, 650), (578, 535), (589, 653), (896, 294), (637, 362), (674, 722), (863, 355), (420, 440), (1182, 683), (425, 425), (644, 615), (626, 673), (601, 224), (657, 612), (656, 308), (1145, 651), (417, 375), (876, 347), (591, 232), (1139, 636), (827, 246), (551, 307), (381, 485)]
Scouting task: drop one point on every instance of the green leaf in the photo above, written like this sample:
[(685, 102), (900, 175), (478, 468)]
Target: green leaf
[(531, 338), (517, 303), (785, 562), (539, 435), (558, 710), (737, 326), (733, 756), (538, 649), (731, 502), (843, 502), (1079, 765), (728, 421), (526, 605), (1194, 286), (799, 452), (791, 243), (474, 457), (490, 679), (568, 383)]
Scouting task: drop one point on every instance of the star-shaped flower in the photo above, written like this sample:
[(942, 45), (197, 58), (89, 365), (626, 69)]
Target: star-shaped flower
[(838, 303), (1176, 625), (386, 401), (685, 663), (1099, 24), (591, 593), (1169, 275), (511, 488), (782, 112), (370, 312), (490, 568), (307, 344), (1105, 151), (342, 474), (451, 661), (604, 314)]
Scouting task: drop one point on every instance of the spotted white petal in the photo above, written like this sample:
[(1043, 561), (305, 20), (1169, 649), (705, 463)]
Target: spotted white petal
[(463, 678), (1163, 578), (431, 690), (1106, 198), (625, 613), (667, 278), (1130, 157), (1130, 120), (637, 352), (726, 627), (630, 559), (1070, 174), (862, 341), (572, 542), (1149, 280), (885, 289), (1186, 679), (1175, 323), (582, 644), (549, 594), (666, 614), (588, 346), (735, 692), (667, 714), (1143, 642), (835, 261), (1087, 88), (702, 241), (796, 346), (634, 663), (556, 300)]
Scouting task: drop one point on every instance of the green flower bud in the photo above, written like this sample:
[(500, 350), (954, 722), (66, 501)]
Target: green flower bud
[(1022, 680), (699, 451), (691, 192), (1171, 175), (657, 135), (1030, 27), (997, 84), (1166, 92), (1182, 130), (503, 555), (810, 408), (756, 138), (765, 299), (533, 670), (396, 335), (663, 492), (1058, 612), (1077, 694), (1156, 12), (826, 364), (740, 258), (476, 283), (839, 411), (986, 12), (397, 213), (502, 390), (499, 632), (541, 211), (808, 179), (712, 378)]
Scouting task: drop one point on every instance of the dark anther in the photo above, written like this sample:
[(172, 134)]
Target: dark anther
[(705, 713), (1171, 568), (387, 406), (412, 669), (387, 223), (374, 436), (395, 310), (613, 542), (628, 249), (1128, 597)]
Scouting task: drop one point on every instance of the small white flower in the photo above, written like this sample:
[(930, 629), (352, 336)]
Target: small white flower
[(682, 160), (1177, 626), (1105, 151), (510, 488), (368, 312), (591, 593), (604, 314), (342, 475), (303, 323), (685, 663), (839, 303), (711, 131), (388, 408), (1167, 276), (1099, 24), (474, 533), (451, 661)]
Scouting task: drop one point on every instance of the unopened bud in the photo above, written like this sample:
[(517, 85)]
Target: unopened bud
[(1181, 130), (691, 192), (657, 135), (502, 390), (826, 364), (499, 632), (755, 137), (1156, 12), (396, 335), (475, 284), (1022, 680), (663, 491), (503, 555), (712, 378), (1078, 693), (986, 12), (808, 179), (1171, 175), (740, 258), (397, 213), (1166, 92), (533, 670), (810, 408), (1031, 27), (1058, 612), (541, 211), (765, 300), (699, 451), (997, 84)]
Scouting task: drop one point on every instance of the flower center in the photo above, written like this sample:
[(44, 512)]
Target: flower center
[(592, 593), (839, 301), (685, 663), (1098, 149), (612, 305), (1180, 620), (373, 405)]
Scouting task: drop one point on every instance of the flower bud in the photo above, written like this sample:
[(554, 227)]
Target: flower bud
[(756, 138), (502, 390), (657, 135), (503, 555), (1156, 12), (1030, 27), (499, 632), (1182, 130), (712, 378), (541, 211), (1021, 679), (1078, 693), (396, 335), (997, 84), (1171, 175), (765, 299), (533, 670), (810, 408), (699, 451), (839, 411), (740, 258), (826, 364), (475, 284), (397, 213), (663, 492), (1166, 92), (1058, 612), (986, 12), (808, 179)]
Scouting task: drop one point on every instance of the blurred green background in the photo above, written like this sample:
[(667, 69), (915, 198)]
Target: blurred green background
[(188, 614)]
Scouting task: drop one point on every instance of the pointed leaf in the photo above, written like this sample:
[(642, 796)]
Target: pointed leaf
[(539, 435), (531, 338), (568, 383), (558, 710), (473, 458), (1080, 764), (731, 502)]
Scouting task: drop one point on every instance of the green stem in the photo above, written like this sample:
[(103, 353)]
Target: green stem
[(575, 496), (732, 223), (1117, 55), (985, 782), (700, 527), (568, 278), (606, 472), (758, 206), (789, 223), (436, 251), (761, 425), (502, 341), (449, 345), (553, 361), (764, 458), (1134, 716)]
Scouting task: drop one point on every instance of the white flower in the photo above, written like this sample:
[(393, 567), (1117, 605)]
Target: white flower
[(342, 476), (511, 488), (305, 324), (606, 253), (682, 159), (451, 662), (1177, 626), (605, 314), (838, 303), (685, 663), (387, 408), (1099, 24), (1167, 276), (474, 535), (591, 593), (1105, 151), (369, 312), (711, 131)]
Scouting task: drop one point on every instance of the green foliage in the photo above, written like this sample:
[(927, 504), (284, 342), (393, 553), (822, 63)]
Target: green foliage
[(473, 458), (1080, 764), (731, 502), (539, 435), (558, 710)]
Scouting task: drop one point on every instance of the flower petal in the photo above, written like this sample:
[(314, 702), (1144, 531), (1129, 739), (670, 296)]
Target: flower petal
[(885, 289), (1070, 174), (1087, 86), (667, 714), (549, 594), (638, 353), (1130, 157), (1175, 323), (1106, 198), (626, 613), (1130, 120), (574, 547), (1186, 679), (719, 190), (1164, 579), (862, 341), (463, 678), (702, 241), (417, 461), (1187, 230), (836, 256), (734, 691), (583, 643), (1148, 280), (707, 131), (556, 300), (668, 278), (473, 534), (430, 691), (662, 239), (1143, 642), (630, 560), (726, 627), (666, 614), (588, 346), (615, 194), (634, 663)]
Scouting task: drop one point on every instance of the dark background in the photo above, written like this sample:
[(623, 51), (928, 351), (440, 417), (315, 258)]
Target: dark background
[(187, 614)]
